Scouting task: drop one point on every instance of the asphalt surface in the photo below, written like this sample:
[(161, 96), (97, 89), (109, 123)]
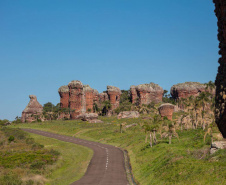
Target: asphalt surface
[(106, 166)]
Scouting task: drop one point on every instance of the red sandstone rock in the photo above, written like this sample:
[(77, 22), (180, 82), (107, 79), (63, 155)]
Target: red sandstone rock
[(187, 89), (77, 98), (95, 96), (64, 96), (114, 94), (146, 93), (167, 110), (128, 114), (89, 96), (103, 97), (133, 93), (32, 111), (220, 113)]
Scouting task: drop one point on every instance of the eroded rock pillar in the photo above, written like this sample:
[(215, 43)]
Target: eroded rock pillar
[(114, 94), (77, 99)]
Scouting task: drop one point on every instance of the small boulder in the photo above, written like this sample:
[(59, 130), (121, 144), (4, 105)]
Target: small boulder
[(95, 121), (217, 145), (128, 114)]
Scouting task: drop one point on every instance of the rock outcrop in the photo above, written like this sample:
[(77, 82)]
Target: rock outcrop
[(96, 97), (89, 97), (103, 97), (187, 89), (80, 99), (77, 102), (220, 113), (167, 110), (128, 114), (64, 96), (33, 110), (114, 94), (146, 93)]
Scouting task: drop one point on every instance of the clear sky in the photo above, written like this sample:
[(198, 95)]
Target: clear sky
[(45, 44)]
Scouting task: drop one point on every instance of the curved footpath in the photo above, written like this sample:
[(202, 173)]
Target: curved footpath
[(106, 166)]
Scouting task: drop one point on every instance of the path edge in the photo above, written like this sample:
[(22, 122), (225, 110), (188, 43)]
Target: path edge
[(128, 167)]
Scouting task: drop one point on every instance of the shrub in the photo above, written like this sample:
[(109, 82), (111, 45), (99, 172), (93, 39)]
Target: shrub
[(37, 165), (10, 179), (11, 138), (30, 141)]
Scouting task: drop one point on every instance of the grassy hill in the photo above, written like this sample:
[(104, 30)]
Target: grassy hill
[(29, 159), (185, 161)]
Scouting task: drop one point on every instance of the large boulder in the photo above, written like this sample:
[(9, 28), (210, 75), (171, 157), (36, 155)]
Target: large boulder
[(166, 110), (217, 145), (33, 110), (87, 116), (128, 114), (146, 93)]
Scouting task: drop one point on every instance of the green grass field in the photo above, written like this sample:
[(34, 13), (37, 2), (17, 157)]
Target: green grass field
[(73, 161), (29, 159), (186, 161)]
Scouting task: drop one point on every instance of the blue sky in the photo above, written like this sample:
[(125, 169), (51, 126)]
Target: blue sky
[(47, 43)]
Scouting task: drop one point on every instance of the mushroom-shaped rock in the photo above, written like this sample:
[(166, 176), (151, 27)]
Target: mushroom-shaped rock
[(32, 111), (146, 93), (167, 110), (64, 96), (187, 89), (114, 94)]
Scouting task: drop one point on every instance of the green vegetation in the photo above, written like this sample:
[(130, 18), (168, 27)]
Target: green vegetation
[(185, 161), (72, 163), (24, 160)]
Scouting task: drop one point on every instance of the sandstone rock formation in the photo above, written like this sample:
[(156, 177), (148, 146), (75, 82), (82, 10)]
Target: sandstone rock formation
[(103, 97), (33, 110), (95, 96), (133, 93), (187, 89), (77, 98), (89, 98), (128, 114), (64, 96), (114, 94), (220, 113), (146, 93), (167, 110)]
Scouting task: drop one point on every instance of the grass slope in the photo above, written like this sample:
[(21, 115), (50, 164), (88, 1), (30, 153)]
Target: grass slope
[(183, 162), (72, 163)]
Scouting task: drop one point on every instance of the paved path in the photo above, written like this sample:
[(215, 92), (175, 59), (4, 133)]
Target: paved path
[(105, 168)]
